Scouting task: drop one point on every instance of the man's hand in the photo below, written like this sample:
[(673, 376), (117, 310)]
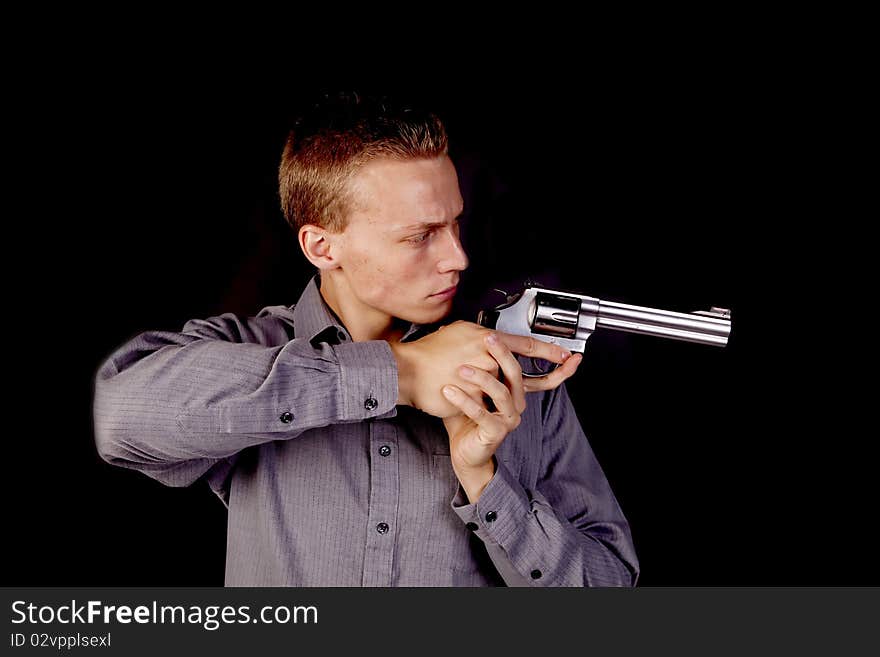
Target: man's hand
[(477, 432), (425, 365), (529, 346)]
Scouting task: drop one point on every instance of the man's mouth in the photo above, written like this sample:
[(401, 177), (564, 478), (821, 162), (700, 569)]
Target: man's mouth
[(448, 292)]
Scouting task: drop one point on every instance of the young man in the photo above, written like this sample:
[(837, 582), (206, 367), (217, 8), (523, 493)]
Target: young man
[(353, 442)]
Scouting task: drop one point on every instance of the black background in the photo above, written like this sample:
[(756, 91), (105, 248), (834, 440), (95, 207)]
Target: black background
[(660, 177)]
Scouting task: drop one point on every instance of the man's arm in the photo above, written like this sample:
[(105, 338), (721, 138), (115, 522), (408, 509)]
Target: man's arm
[(570, 530), (173, 405)]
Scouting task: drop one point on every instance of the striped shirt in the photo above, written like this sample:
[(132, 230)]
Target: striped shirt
[(328, 483)]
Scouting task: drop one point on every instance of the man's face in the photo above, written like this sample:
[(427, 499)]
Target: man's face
[(401, 246)]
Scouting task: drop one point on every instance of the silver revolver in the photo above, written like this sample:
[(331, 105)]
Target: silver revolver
[(568, 319)]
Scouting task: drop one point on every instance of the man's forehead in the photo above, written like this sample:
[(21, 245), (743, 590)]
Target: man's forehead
[(406, 195), (404, 219)]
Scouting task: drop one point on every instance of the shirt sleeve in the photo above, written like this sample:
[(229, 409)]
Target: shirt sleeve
[(569, 530), (174, 405)]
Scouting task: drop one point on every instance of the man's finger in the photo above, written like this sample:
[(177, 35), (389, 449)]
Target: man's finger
[(497, 392), (512, 372), (526, 345), (555, 378), (491, 428)]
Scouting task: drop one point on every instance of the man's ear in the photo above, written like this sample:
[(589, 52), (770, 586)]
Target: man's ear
[(319, 246)]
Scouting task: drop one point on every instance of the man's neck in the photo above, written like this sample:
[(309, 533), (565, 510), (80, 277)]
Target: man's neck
[(362, 323)]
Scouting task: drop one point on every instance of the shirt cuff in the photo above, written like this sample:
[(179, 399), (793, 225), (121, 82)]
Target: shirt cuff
[(502, 506), (367, 380)]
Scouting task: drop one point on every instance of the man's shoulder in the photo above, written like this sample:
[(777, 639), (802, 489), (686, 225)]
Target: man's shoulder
[(282, 313), (272, 326)]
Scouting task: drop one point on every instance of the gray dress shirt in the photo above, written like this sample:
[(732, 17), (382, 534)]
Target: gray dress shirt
[(329, 483)]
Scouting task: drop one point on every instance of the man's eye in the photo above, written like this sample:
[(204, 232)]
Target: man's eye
[(418, 238)]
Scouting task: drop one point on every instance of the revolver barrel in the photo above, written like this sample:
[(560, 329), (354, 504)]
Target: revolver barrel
[(712, 327)]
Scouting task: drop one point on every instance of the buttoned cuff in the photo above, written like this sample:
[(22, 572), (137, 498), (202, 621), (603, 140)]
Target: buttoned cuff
[(502, 506), (368, 380)]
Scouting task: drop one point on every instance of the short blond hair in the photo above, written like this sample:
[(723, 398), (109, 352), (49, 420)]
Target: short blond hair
[(339, 134)]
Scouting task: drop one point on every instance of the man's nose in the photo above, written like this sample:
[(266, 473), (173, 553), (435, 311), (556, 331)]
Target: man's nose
[(453, 257)]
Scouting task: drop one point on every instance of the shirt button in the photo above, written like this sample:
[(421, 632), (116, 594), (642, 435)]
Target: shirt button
[(370, 403), (384, 450), (536, 574), (472, 526), (491, 516), (287, 418), (341, 336), (382, 527)]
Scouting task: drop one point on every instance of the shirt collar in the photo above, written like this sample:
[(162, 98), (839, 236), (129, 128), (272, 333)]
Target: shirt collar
[(313, 319)]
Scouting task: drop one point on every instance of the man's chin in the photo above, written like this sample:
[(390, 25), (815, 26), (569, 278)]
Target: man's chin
[(431, 315)]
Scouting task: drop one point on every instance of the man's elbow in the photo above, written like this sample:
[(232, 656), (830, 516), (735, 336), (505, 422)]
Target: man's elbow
[(119, 432), (111, 441), (116, 446)]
